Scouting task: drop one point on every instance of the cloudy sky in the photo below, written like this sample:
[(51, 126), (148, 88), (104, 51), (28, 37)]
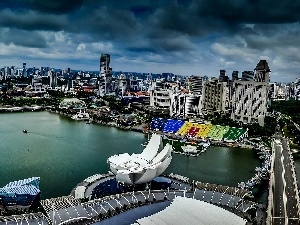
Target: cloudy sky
[(185, 37)]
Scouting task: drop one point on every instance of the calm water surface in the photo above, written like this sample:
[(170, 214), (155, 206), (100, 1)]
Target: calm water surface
[(64, 152)]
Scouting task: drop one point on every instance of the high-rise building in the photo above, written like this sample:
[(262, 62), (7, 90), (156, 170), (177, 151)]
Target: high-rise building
[(272, 91), (214, 95), (222, 77), (235, 75), (297, 89), (104, 64), (53, 78), (24, 73), (249, 102), (262, 72), (196, 84), (251, 95), (105, 80), (247, 76)]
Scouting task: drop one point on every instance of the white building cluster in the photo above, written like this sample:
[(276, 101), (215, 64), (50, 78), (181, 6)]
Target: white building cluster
[(246, 98)]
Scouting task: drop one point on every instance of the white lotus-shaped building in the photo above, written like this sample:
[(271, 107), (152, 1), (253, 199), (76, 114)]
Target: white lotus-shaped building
[(144, 167)]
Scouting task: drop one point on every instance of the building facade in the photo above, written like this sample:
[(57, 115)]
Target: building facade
[(196, 84), (21, 193), (105, 78), (184, 105), (249, 103), (262, 72), (214, 96)]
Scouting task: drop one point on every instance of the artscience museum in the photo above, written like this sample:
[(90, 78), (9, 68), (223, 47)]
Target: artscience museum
[(144, 167)]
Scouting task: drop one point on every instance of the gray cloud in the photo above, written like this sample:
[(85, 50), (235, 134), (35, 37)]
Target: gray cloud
[(23, 38), (30, 20)]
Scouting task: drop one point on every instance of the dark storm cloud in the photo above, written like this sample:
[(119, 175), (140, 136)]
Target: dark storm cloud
[(118, 18), (271, 36), (107, 24), (30, 20), (51, 6), (243, 11), (55, 6), (23, 38)]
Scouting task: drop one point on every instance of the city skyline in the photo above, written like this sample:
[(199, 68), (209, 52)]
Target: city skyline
[(180, 37)]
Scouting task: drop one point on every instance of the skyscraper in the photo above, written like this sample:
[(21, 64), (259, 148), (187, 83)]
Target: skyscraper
[(222, 77), (196, 84), (235, 75), (53, 78), (24, 73), (262, 72), (104, 64), (105, 83), (250, 95)]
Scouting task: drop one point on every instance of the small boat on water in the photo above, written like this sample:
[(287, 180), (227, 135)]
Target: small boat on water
[(82, 115), (189, 149), (25, 131)]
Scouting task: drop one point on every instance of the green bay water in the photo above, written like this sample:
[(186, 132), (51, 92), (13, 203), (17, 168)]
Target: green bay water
[(63, 152)]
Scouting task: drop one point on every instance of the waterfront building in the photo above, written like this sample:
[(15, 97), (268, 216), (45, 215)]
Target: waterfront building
[(251, 95), (21, 193), (249, 103), (214, 95)]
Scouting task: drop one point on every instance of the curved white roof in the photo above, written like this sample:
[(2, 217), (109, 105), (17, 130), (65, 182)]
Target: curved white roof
[(193, 212), (142, 168)]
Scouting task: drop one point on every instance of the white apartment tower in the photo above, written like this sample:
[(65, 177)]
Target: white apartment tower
[(250, 98), (105, 83), (249, 102), (297, 89), (53, 78)]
